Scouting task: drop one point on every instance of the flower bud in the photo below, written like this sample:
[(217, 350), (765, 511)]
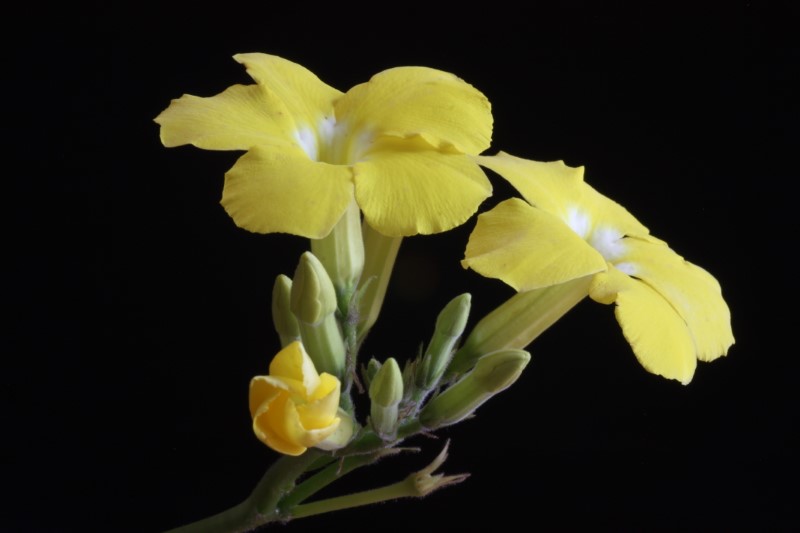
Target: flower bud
[(294, 407), (386, 393), (449, 326), (493, 373), (313, 302), (285, 322)]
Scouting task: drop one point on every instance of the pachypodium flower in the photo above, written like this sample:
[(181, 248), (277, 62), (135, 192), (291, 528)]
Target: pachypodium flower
[(671, 311), (400, 145), (294, 407)]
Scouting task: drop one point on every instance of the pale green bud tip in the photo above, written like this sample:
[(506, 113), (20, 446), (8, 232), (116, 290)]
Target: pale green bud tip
[(285, 322), (497, 371), (312, 296), (386, 388), (453, 318)]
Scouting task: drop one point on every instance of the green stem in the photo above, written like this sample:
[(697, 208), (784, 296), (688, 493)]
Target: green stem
[(401, 489), (325, 477), (261, 507)]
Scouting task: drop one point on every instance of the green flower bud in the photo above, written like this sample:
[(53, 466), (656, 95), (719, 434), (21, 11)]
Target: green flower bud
[(285, 322), (312, 297), (493, 373), (313, 302), (386, 393), (449, 326), (518, 321)]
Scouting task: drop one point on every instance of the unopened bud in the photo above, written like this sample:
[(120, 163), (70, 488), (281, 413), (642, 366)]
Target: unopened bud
[(313, 302), (492, 374), (386, 393), (449, 326)]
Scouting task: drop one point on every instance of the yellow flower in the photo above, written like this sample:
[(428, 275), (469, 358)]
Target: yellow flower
[(671, 311), (294, 408), (398, 144)]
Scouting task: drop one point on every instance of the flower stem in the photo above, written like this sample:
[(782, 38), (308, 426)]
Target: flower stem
[(261, 506), (401, 489)]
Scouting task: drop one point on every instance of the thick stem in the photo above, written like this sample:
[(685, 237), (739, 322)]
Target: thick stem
[(401, 489), (261, 506)]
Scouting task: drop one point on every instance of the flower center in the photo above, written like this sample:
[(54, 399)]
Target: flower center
[(333, 142), (607, 240)]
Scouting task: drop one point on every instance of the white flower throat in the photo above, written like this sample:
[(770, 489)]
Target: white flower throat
[(333, 142), (607, 240)]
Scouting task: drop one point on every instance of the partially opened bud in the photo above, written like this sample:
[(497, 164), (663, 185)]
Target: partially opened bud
[(294, 407), (493, 373)]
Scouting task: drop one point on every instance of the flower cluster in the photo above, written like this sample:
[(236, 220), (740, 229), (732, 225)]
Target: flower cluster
[(358, 171)]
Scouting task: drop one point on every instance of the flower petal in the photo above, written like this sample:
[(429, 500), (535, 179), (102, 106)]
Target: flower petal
[(658, 335), (303, 95), (528, 248), (262, 390), (268, 433), (405, 188), (408, 101), (288, 425), (694, 293), (293, 363), (236, 119), (282, 190), (561, 191), (323, 405)]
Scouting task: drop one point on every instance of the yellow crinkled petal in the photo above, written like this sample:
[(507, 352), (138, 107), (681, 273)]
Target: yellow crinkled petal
[(282, 190), (262, 390), (694, 293), (407, 101), (289, 426), (560, 190), (306, 98), (606, 212), (528, 248), (658, 335), (321, 410), (236, 119), (550, 186), (292, 363), (405, 188), (268, 433)]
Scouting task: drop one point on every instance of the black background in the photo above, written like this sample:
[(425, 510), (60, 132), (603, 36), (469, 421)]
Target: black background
[(139, 312)]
